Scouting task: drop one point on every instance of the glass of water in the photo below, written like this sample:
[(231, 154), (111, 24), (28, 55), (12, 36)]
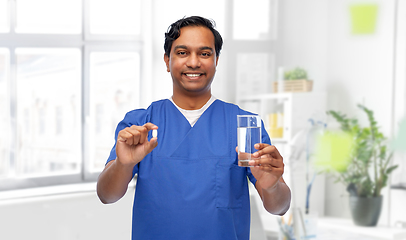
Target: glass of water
[(249, 133)]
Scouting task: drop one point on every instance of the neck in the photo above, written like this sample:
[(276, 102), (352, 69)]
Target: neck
[(191, 102)]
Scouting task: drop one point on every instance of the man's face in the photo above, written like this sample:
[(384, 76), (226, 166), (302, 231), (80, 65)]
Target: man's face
[(192, 62)]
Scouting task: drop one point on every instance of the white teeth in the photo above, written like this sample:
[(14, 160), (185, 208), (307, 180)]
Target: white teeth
[(193, 75)]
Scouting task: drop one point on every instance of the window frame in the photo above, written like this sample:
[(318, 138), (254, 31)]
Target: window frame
[(144, 44), (105, 37), (89, 175), (86, 43), (236, 46)]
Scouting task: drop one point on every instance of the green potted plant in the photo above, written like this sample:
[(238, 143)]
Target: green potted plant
[(368, 168), (295, 74), (295, 80)]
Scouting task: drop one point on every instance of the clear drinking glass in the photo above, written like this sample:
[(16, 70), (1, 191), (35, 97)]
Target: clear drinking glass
[(249, 134)]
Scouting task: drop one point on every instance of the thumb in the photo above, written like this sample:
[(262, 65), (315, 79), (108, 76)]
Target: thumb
[(149, 146)]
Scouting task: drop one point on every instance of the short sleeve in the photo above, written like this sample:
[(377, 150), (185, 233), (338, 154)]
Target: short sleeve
[(135, 117)]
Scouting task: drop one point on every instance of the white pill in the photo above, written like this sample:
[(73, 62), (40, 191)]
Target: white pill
[(154, 133)]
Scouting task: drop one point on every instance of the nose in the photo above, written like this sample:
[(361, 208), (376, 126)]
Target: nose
[(193, 61)]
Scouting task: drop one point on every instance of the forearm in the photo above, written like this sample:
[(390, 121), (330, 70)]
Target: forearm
[(277, 199), (113, 182)]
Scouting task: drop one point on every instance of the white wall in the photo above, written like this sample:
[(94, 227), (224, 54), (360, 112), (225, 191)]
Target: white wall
[(360, 71), (66, 217), (304, 26), (351, 68)]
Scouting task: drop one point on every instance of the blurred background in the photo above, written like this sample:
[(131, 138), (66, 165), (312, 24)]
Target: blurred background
[(70, 70)]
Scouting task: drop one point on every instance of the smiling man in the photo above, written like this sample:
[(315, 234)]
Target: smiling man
[(189, 186), (192, 63)]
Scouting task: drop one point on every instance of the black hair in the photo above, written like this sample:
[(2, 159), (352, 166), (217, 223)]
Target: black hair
[(174, 32)]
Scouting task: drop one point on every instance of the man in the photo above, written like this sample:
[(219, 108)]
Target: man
[(189, 186)]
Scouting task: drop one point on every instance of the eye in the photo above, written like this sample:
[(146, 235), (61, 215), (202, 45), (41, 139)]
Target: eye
[(181, 53), (206, 54)]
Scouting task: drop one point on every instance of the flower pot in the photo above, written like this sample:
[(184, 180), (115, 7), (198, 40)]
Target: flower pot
[(365, 211), (299, 85)]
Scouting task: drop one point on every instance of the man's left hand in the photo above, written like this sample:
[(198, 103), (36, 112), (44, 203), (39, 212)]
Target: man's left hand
[(269, 166)]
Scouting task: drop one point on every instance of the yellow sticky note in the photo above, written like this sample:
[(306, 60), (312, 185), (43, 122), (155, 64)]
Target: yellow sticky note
[(333, 151), (363, 18)]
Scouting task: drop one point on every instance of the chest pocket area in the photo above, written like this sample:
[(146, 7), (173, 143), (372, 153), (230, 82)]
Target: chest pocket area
[(231, 185)]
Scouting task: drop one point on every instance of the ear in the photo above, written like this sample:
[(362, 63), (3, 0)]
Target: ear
[(166, 59), (217, 60)]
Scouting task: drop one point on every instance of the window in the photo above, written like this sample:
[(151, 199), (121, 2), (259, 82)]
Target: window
[(253, 73), (61, 77), (184, 8), (246, 27), (252, 48), (4, 114), (115, 17), (114, 77), (56, 17), (258, 20), (71, 69), (48, 84), (4, 16), (398, 179)]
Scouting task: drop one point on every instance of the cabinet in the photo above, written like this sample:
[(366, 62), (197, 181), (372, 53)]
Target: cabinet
[(298, 109)]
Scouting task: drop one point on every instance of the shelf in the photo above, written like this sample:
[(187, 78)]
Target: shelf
[(279, 140), (270, 96), (266, 96), (399, 186), (293, 111)]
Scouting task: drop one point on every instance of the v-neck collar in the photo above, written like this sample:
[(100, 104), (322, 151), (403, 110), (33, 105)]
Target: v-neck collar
[(188, 142), (203, 109)]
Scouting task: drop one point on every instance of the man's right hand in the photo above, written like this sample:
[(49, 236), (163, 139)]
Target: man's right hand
[(133, 145)]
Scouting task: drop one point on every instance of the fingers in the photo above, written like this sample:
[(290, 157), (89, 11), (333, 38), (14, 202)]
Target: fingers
[(268, 157), (135, 135), (150, 126), (264, 148), (267, 161), (154, 129)]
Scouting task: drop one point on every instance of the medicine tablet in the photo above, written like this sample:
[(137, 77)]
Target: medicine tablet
[(154, 133)]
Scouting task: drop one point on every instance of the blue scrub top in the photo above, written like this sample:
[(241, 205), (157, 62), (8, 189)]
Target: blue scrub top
[(190, 186)]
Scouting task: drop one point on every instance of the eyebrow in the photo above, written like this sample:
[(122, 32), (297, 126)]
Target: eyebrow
[(185, 47)]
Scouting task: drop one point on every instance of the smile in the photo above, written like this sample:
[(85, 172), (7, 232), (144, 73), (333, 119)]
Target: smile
[(193, 74)]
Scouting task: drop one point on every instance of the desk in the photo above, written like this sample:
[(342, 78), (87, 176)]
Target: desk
[(328, 228), (344, 229)]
